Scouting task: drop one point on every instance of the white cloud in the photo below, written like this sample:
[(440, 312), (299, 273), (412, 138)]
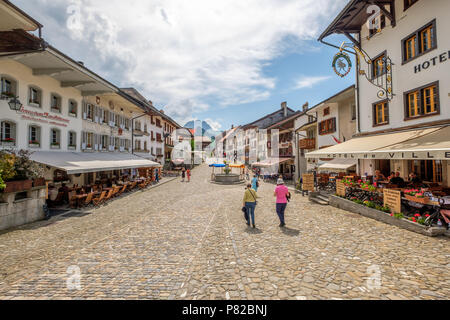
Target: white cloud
[(184, 53), (309, 82), (215, 125)]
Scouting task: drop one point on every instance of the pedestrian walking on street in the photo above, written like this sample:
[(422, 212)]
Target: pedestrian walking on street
[(157, 175), (183, 174), (249, 201), (188, 173), (283, 196), (255, 183)]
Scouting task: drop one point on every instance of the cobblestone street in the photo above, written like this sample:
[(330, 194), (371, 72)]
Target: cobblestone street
[(189, 241)]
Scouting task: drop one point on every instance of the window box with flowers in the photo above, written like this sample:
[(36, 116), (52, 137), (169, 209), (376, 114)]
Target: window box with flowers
[(416, 196), (34, 144), (8, 142), (55, 145), (7, 95), (55, 109), (72, 147)]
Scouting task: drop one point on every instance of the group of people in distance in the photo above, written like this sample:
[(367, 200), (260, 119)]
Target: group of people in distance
[(281, 193), (396, 179), (185, 173)]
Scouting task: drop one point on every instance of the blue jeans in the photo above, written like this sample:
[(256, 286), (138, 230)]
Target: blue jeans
[(281, 207), (251, 211)]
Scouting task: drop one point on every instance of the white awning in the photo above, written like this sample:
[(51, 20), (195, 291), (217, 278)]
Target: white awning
[(425, 144), (81, 162), (270, 162), (338, 165)]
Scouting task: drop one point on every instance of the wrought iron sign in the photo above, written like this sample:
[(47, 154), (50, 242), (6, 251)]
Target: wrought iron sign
[(378, 72)]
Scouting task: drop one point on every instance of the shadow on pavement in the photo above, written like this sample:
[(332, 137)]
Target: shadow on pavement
[(290, 232), (250, 230)]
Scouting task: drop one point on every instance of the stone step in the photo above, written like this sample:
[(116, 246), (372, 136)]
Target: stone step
[(319, 201), (323, 198)]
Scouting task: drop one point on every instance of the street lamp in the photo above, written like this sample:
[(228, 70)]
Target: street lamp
[(132, 131), (15, 104)]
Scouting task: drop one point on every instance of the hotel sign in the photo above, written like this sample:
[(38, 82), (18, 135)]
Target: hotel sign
[(432, 62), (394, 155), (44, 117)]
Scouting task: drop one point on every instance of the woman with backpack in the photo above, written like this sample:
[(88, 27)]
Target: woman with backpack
[(249, 202), (283, 196)]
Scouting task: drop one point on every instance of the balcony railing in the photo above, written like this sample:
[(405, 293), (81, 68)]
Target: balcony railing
[(307, 144)]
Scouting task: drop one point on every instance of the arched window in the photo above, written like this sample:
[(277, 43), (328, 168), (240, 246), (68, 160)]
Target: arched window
[(34, 96), (34, 136), (55, 139), (72, 140), (73, 108), (8, 133), (8, 87), (55, 103)]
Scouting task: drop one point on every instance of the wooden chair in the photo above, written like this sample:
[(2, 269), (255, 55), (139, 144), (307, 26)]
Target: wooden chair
[(109, 196), (99, 200), (132, 186), (122, 190), (89, 199), (115, 191)]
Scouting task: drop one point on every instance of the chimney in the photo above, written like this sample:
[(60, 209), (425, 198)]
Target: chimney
[(305, 106), (150, 103), (232, 126), (284, 108), (81, 63), (162, 111)]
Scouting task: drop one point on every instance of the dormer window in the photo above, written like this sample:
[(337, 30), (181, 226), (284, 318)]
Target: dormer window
[(378, 24)]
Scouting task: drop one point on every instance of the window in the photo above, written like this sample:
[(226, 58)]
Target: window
[(73, 108), (55, 103), (72, 143), (381, 113), (420, 42), (35, 97), (409, 3), (427, 170), (327, 126), (326, 111), (8, 132), (145, 146), (8, 88), (34, 136), (104, 143), (423, 101), (379, 23), (55, 139), (379, 66), (426, 39)]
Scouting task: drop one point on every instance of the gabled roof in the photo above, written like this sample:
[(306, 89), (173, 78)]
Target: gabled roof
[(352, 17), (14, 18), (269, 119), (292, 117)]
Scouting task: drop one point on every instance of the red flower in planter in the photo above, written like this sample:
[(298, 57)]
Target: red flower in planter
[(414, 220), (427, 215), (417, 215)]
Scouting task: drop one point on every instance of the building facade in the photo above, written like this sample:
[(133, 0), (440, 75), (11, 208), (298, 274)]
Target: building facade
[(402, 86)]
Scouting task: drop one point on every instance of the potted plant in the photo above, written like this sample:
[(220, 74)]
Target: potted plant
[(19, 171), (55, 145), (7, 95), (9, 141)]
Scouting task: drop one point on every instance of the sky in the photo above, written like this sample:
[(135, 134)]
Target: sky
[(227, 62)]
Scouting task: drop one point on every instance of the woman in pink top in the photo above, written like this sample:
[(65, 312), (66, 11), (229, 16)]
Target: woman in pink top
[(282, 194)]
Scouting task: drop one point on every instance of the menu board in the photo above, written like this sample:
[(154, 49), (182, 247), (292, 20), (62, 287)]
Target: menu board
[(340, 188), (308, 182), (393, 200)]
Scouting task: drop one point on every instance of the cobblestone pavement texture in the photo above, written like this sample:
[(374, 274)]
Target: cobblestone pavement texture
[(189, 241)]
